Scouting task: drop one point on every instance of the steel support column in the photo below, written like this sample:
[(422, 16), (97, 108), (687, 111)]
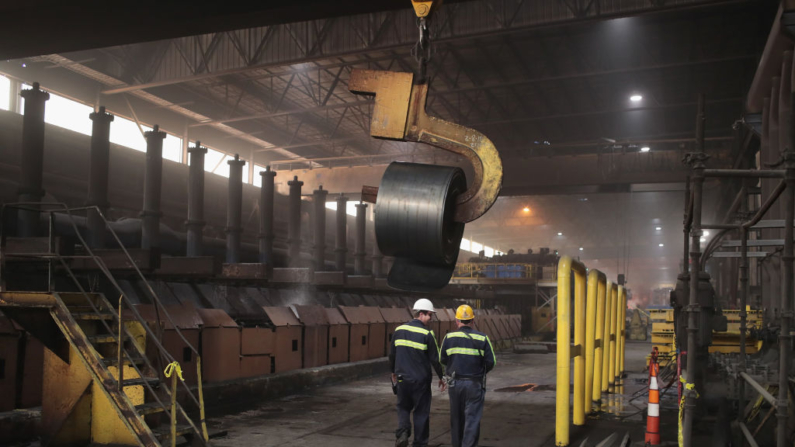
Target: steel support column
[(319, 198), (294, 228), (30, 181), (234, 210), (696, 161), (342, 233), (361, 231), (266, 235), (195, 223), (786, 141), (98, 175), (153, 180)]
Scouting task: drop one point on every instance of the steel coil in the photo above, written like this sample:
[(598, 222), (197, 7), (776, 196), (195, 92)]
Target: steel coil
[(414, 224)]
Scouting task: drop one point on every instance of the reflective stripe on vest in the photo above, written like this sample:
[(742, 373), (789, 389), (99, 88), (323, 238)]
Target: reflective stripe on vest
[(410, 328), (477, 337), (411, 344), (464, 351)]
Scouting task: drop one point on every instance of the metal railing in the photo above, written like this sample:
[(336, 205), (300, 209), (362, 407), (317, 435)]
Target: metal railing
[(123, 332), (478, 270)]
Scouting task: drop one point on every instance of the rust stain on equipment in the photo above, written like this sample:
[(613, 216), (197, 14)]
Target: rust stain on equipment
[(399, 113)]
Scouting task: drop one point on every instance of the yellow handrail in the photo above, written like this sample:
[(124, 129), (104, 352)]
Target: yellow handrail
[(565, 267), (596, 285), (596, 393)]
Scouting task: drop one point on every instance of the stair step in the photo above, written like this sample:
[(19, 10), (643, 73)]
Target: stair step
[(163, 432), (154, 382), (91, 316), (149, 408), (113, 361), (100, 339)]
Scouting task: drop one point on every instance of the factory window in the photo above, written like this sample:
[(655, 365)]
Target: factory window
[(126, 133), (258, 178), (5, 93), (489, 251), (295, 345), (216, 162), (333, 342), (465, 244), (72, 115), (364, 340), (350, 207), (187, 354), (476, 247)]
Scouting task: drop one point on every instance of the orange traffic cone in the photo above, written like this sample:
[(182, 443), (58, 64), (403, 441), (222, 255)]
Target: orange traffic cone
[(653, 416)]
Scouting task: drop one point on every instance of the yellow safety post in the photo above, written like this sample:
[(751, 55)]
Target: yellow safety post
[(622, 325), (595, 278), (173, 370), (599, 343), (201, 398), (606, 337), (611, 361), (564, 355)]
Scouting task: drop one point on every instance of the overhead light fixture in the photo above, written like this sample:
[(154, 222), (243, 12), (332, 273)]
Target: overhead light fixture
[(662, 245), (645, 149), (658, 228), (526, 209), (703, 239), (560, 234), (706, 233), (636, 98), (580, 248)]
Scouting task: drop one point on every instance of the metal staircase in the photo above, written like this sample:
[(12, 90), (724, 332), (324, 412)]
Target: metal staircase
[(106, 338)]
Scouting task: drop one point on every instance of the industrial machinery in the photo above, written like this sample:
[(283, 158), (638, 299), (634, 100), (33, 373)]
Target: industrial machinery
[(420, 210)]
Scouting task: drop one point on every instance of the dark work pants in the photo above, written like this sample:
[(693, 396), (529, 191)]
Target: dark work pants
[(414, 397), (466, 409)]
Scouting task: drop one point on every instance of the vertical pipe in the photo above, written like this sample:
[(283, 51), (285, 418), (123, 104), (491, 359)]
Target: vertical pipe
[(600, 341), (361, 228), (195, 222), (579, 341), (611, 365), (785, 338), (342, 233), (30, 181), (98, 176), (234, 210), (590, 336), (266, 217), (378, 270), (319, 199), (294, 229), (153, 180), (606, 337), (563, 356), (688, 204), (743, 317), (697, 162)]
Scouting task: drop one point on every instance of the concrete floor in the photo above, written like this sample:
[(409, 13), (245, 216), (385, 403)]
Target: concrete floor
[(362, 412)]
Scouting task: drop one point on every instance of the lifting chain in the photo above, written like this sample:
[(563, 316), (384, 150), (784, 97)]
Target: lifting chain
[(422, 50)]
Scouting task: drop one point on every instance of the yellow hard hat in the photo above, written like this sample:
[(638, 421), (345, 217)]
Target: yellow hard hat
[(464, 312)]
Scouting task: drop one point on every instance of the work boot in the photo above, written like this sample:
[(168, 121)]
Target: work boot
[(402, 440)]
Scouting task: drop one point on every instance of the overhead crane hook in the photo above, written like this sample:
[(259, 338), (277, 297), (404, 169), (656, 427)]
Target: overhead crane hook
[(420, 209)]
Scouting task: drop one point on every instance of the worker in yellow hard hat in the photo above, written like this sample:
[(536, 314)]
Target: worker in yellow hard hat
[(467, 355), (414, 352)]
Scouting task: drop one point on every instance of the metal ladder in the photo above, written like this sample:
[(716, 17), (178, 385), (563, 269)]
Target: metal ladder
[(95, 328)]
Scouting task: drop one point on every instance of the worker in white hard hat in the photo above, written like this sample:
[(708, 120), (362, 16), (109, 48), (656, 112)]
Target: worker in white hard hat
[(413, 353)]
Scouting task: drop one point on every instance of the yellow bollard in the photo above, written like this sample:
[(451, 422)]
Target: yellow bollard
[(623, 324), (578, 417), (594, 279), (564, 322), (599, 343), (606, 337), (619, 323), (611, 362)]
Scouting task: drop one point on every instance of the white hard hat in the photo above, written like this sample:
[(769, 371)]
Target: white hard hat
[(424, 304)]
